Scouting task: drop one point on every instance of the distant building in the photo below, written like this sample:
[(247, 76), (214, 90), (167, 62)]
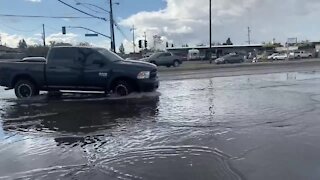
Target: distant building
[(10, 53), (218, 50)]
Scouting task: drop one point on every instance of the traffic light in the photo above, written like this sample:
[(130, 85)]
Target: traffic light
[(145, 44), (167, 44), (140, 43), (63, 30)]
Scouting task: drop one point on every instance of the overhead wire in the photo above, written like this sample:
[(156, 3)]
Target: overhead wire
[(42, 16), (20, 30), (97, 17)]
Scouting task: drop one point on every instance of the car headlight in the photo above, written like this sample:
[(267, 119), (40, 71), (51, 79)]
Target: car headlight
[(144, 75)]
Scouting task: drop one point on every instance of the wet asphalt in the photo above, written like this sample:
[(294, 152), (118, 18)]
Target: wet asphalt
[(256, 126)]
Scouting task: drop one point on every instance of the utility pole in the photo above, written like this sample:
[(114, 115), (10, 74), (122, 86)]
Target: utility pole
[(210, 24), (210, 30), (113, 45), (145, 39), (249, 36), (43, 35), (133, 39)]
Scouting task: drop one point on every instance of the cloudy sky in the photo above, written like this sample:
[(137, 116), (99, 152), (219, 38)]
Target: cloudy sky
[(176, 21)]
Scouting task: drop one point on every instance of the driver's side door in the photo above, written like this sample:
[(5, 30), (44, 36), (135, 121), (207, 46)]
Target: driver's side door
[(96, 70), (161, 59)]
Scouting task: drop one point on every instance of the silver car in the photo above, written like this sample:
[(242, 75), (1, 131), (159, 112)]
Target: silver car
[(230, 58), (164, 59)]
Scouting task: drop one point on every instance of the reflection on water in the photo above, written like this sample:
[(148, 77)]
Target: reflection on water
[(220, 128)]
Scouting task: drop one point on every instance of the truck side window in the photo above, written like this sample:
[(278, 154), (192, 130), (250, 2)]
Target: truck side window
[(64, 55), (95, 59)]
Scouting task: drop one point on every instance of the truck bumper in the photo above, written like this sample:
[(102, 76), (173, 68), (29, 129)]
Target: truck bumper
[(148, 85)]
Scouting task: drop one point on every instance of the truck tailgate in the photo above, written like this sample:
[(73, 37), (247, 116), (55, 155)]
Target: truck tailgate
[(9, 70)]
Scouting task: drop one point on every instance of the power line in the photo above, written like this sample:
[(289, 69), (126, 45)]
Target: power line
[(20, 30), (40, 16), (82, 11)]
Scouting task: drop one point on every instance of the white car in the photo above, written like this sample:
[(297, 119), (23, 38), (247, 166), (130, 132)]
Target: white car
[(272, 55), (283, 56)]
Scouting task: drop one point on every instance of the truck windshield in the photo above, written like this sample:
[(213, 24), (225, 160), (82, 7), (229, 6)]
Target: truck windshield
[(109, 55)]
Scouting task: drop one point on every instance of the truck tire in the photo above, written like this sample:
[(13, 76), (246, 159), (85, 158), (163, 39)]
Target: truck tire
[(25, 89), (176, 63), (122, 88)]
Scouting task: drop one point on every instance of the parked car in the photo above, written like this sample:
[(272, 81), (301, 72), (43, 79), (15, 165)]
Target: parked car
[(193, 54), (300, 54), (280, 56), (230, 58), (78, 68), (270, 57), (164, 59)]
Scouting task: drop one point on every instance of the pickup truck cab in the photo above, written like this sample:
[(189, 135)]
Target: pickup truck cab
[(79, 69)]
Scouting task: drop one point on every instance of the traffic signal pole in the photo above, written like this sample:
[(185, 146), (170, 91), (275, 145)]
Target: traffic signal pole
[(145, 41)]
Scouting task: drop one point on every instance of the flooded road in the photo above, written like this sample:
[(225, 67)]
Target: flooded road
[(242, 127)]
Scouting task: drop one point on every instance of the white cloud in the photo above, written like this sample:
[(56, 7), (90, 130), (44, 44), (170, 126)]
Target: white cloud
[(187, 21), (34, 1), (67, 38), (12, 40)]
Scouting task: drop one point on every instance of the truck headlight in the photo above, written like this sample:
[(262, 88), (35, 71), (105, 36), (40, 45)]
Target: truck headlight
[(144, 75)]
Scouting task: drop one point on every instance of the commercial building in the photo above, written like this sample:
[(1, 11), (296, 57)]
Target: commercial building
[(219, 50)]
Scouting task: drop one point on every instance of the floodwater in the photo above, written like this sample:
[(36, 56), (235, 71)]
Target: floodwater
[(226, 128)]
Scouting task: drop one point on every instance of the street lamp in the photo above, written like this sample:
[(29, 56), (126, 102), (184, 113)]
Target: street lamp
[(113, 46)]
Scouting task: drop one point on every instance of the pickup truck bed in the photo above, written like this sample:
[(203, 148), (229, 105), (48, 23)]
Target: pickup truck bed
[(11, 71)]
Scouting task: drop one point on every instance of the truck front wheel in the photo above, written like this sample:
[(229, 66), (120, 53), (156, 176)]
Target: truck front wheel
[(122, 88), (25, 89)]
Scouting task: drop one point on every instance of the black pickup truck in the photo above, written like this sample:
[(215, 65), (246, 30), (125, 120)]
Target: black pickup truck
[(79, 69)]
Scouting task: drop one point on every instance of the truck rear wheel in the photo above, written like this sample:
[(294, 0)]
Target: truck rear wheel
[(25, 89), (122, 88)]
